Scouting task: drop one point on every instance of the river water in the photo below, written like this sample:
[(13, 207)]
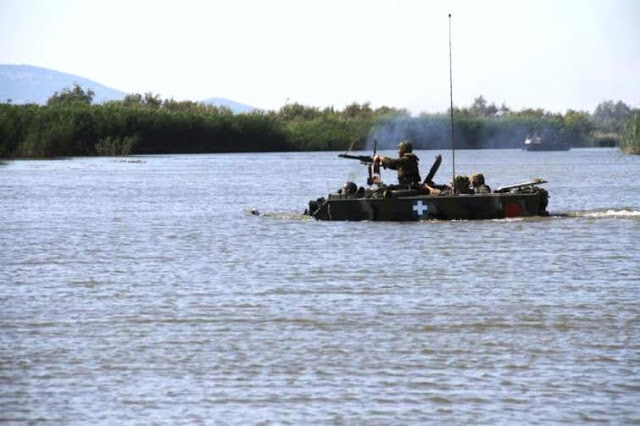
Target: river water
[(142, 290)]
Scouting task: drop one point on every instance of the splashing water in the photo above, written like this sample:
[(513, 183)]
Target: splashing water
[(605, 213)]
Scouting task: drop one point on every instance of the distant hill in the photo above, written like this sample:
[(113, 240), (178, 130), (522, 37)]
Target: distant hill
[(28, 84), (232, 105)]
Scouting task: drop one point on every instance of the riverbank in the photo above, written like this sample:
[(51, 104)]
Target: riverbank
[(116, 128)]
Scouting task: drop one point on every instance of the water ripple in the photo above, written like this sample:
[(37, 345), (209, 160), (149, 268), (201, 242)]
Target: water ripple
[(160, 298)]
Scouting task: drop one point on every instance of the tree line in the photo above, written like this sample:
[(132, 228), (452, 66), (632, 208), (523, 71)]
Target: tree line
[(70, 125)]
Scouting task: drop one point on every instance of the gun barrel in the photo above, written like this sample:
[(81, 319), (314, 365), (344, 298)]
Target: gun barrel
[(363, 158)]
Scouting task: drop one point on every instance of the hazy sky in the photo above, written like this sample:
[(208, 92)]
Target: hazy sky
[(552, 54)]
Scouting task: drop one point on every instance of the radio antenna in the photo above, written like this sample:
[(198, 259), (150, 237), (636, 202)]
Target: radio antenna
[(453, 148)]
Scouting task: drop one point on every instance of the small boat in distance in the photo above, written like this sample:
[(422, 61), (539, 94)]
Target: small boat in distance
[(537, 143)]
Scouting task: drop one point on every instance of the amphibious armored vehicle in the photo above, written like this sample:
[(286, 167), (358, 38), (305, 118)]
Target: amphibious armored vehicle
[(425, 201), (380, 202)]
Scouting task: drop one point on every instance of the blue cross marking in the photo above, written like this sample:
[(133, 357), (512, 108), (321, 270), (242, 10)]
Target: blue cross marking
[(420, 208)]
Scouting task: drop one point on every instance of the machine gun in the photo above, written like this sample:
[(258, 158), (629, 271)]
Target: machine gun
[(372, 168), (364, 159)]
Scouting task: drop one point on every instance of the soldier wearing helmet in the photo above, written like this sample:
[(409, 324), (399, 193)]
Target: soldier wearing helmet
[(477, 182), (349, 188), (462, 185), (406, 164)]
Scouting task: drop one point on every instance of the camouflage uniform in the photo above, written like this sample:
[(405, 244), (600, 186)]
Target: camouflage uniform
[(482, 189), (462, 185), (406, 165), (479, 187)]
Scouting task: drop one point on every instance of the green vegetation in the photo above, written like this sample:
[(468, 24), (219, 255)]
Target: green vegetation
[(69, 125), (630, 141), (114, 146), (71, 97)]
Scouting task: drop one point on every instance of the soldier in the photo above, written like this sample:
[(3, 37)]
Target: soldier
[(348, 190), (479, 187), (462, 185), (406, 164)]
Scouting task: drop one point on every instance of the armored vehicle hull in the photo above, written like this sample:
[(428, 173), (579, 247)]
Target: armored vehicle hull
[(411, 205), (427, 201)]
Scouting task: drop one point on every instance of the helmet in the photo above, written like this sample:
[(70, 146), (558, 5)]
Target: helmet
[(406, 146), (477, 178), (462, 181), (349, 188)]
